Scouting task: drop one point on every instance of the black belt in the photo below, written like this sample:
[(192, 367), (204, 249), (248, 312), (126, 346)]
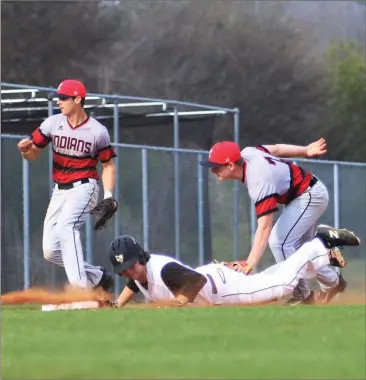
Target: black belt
[(68, 186), (313, 181)]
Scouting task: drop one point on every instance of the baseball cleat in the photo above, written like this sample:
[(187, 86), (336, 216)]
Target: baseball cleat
[(326, 297), (336, 258), (309, 300), (106, 282), (336, 237)]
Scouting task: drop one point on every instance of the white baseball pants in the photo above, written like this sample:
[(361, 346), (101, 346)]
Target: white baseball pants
[(67, 212), (278, 281), (295, 227)]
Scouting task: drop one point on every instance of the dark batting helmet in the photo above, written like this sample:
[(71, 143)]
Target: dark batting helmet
[(125, 251)]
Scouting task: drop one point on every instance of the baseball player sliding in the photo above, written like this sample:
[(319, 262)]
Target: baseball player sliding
[(79, 142), (162, 278), (271, 181)]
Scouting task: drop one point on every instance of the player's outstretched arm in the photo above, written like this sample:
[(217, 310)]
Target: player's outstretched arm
[(28, 150), (108, 178), (315, 149), (125, 297), (260, 241)]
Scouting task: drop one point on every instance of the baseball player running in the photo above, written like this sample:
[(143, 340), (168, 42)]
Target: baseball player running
[(271, 180), (79, 142), (162, 278)]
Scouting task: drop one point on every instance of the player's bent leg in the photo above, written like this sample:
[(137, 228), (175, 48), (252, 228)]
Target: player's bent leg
[(74, 213), (53, 254), (50, 241), (72, 255), (333, 283), (281, 279), (282, 250), (328, 295), (327, 278), (294, 228)]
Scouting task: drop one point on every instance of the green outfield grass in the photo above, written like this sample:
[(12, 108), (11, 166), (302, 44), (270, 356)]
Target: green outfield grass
[(222, 342)]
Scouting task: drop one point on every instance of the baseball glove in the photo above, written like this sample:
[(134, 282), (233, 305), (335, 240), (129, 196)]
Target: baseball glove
[(237, 266), (104, 211)]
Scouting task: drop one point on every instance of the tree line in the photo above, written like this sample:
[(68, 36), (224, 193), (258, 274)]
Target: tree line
[(290, 83)]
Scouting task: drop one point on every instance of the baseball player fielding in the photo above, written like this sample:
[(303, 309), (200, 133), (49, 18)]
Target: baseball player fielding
[(271, 181), (78, 142), (161, 278)]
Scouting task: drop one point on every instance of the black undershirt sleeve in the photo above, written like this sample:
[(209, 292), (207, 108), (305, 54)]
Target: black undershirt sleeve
[(131, 284), (182, 281)]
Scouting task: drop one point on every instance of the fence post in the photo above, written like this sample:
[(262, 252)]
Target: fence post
[(145, 198), (89, 233), (253, 220), (117, 219), (176, 184), (236, 190), (26, 224), (336, 200), (50, 179), (336, 194), (50, 153), (201, 247)]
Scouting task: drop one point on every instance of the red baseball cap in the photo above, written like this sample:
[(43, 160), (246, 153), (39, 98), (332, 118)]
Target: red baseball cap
[(222, 153), (71, 87)]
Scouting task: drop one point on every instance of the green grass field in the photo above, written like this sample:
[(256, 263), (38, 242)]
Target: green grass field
[(221, 342)]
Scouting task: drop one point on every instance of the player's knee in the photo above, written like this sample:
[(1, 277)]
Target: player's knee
[(274, 243), (64, 231), (278, 249), (47, 252)]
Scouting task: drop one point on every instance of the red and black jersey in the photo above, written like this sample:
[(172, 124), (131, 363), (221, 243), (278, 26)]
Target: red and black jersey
[(76, 150), (271, 180)]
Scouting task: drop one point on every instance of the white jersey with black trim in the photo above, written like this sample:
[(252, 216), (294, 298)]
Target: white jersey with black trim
[(156, 288)]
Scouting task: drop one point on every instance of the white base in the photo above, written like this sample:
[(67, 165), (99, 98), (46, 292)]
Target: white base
[(72, 306)]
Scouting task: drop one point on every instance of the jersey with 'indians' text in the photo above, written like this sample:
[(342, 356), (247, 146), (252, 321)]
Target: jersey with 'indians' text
[(271, 180), (76, 150)]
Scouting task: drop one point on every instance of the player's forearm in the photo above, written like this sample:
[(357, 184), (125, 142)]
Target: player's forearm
[(109, 178), (259, 245), (287, 151), (125, 297)]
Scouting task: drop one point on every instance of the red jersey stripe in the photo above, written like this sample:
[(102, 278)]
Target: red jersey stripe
[(106, 154), (74, 162), (300, 181), (39, 139), (67, 168), (266, 205)]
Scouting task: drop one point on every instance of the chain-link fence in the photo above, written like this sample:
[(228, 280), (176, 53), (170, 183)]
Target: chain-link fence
[(196, 221)]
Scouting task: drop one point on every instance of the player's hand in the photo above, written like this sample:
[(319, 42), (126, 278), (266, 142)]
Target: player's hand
[(240, 267), (25, 145), (175, 303), (317, 148), (108, 303)]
